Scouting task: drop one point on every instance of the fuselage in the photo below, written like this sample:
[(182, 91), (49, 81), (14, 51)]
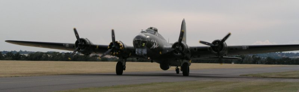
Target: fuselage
[(149, 44)]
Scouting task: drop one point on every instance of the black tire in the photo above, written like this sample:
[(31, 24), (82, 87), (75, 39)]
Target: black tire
[(177, 70), (119, 68), (185, 69)]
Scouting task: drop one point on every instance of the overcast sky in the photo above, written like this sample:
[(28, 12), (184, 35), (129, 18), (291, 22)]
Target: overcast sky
[(249, 21)]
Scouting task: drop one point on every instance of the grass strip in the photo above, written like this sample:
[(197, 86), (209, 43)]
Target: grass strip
[(38, 68), (199, 86), (289, 74)]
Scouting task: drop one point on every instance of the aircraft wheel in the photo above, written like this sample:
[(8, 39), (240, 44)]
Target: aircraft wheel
[(119, 68), (185, 69), (177, 70)]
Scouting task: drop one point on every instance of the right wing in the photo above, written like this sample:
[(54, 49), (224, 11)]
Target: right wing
[(205, 51)]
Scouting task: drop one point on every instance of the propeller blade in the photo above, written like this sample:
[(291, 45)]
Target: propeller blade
[(220, 58), (183, 32), (113, 42), (104, 54), (74, 52), (77, 35), (206, 43), (113, 36), (225, 38)]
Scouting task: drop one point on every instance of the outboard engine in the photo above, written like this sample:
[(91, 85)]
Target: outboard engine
[(83, 46)]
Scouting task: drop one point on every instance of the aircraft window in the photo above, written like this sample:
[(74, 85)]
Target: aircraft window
[(139, 43), (143, 32), (152, 32)]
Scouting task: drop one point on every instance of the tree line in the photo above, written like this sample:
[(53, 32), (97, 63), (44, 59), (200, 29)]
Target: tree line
[(49, 56), (271, 58)]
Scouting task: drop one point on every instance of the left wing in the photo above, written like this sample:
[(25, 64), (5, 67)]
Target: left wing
[(59, 46), (84, 46), (127, 51)]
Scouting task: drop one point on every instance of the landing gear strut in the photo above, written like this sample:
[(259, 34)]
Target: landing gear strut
[(177, 69), (120, 66)]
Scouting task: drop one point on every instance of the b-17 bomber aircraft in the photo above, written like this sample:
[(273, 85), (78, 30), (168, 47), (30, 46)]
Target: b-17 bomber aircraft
[(149, 44)]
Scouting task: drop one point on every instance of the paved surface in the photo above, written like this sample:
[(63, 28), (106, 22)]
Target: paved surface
[(65, 82)]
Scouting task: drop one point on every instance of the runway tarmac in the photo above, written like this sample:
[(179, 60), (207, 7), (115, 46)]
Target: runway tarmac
[(66, 82)]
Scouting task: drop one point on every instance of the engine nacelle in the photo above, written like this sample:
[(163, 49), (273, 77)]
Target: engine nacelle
[(119, 49), (181, 48), (84, 46), (219, 47), (164, 66)]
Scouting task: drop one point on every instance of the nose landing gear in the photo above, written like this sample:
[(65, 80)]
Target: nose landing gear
[(177, 69)]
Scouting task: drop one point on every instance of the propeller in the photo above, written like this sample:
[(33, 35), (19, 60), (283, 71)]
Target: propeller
[(217, 46), (79, 42), (113, 44), (182, 38)]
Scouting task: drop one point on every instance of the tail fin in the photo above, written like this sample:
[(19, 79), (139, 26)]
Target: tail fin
[(182, 37)]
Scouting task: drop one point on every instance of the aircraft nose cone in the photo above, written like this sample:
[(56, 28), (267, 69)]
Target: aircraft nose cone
[(140, 41)]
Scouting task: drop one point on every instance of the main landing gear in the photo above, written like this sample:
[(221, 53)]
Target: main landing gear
[(120, 66), (185, 69)]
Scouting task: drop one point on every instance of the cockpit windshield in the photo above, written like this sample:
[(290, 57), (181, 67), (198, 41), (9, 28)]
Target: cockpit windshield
[(140, 41), (153, 31), (150, 30)]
